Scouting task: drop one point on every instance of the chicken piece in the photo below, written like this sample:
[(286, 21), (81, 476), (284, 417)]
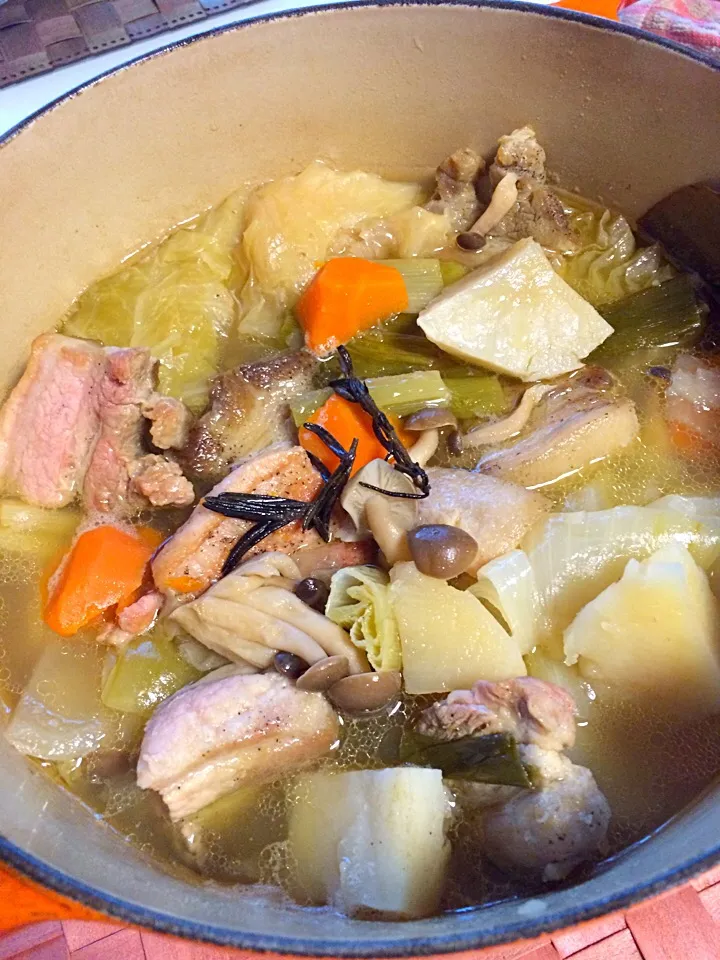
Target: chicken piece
[(519, 152), (193, 557), (249, 411), (532, 711), (49, 424), (161, 481), (578, 428), (496, 513), (170, 422), (221, 734), (250, 615), (548, 832), (455, 188)]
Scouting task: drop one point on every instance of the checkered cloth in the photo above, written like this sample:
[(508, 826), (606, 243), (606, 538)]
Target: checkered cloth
[(696, 23)]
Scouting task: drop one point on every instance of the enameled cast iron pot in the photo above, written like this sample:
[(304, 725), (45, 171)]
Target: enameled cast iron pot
[(391, 87)]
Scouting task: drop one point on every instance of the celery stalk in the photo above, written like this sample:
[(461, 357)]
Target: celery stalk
[(305, 406), (145, 673), (390, 353), (476, 396), (406, 393), (401, 395), (423, 280), (452, 271)]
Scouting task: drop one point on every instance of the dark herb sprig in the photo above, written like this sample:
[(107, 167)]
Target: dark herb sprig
[(272, 513), (351, 388)]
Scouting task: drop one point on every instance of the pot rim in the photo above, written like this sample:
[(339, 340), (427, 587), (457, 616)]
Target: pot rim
[(65, 885)]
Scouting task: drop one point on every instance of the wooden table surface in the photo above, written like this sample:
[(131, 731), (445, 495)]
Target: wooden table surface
[(683, 924)]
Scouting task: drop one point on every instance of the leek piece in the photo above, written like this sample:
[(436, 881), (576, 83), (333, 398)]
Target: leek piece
[(476, 396), (452, 271), (401, 395), (669, 315), (492, 758), (423, 280), (147, 671)]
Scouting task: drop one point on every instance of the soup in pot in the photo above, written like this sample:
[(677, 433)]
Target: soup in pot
[(361, 538)]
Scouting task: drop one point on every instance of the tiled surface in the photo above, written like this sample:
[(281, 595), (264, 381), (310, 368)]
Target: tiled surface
[(680, 925)]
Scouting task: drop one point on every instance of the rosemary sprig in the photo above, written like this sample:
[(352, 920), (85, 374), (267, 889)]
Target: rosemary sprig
[(272, 513), (351, 388)]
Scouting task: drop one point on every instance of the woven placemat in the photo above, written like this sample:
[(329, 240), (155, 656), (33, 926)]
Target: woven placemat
[(39, 35), (683, 924)]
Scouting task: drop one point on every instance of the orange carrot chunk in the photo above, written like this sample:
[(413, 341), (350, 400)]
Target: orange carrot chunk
[(346, 422), (346, 296), (105, 567)]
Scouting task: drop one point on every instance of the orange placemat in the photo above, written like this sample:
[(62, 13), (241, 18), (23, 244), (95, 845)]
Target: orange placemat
[(683, 924)]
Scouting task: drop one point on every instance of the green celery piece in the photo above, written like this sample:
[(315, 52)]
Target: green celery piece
[(407, 392), (423, 280), (476, 396), (452, 271), (669, 315), (492, 758), (145, 673), (401, 395), (305, 406), (386, 353)]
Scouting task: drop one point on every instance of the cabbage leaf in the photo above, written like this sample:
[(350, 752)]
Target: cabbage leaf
[(360, 602), (609, 264), (176, 301)]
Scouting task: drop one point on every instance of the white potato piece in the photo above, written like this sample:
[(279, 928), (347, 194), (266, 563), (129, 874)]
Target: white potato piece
[(372, 842), (515, 315), (576, 555), (449, 639), (656, 631)]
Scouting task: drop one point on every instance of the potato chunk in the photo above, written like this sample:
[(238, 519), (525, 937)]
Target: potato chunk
[(371, 842), (514, 314), (449, 639), (656, 631)]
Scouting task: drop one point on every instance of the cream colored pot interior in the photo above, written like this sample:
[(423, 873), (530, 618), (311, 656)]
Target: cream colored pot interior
[(387, 88)]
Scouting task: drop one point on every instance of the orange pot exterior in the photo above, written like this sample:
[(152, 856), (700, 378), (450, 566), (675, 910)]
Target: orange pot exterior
[(598, 8), (23, 902)]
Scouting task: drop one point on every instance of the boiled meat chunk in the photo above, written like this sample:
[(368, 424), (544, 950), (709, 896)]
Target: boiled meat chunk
[(563, 820), (49, 424), (551, 830), (220, 734), (531, 710)]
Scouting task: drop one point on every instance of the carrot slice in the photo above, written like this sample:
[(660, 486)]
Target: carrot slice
[(105, 567), (346, 422), (688, 441), (348, 295)]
